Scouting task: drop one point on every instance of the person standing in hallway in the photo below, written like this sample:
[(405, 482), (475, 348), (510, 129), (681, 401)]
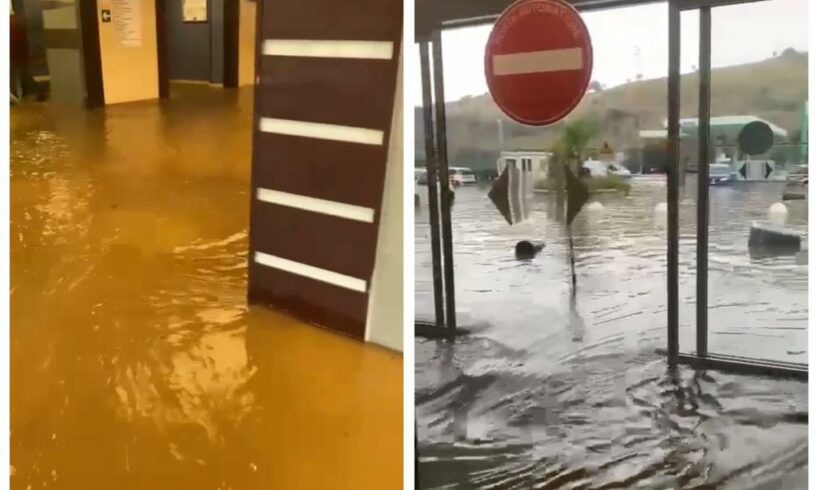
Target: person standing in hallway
[(22, 83)]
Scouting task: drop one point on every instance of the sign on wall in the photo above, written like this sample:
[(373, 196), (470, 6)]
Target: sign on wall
[(127, 20), (194, 10)]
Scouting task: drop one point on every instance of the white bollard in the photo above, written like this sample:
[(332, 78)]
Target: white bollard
[(596, 207), (660, 214), (778, 213)]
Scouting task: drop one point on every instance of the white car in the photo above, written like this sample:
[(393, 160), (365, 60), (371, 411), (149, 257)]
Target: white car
[(599, 168), (461, 176)]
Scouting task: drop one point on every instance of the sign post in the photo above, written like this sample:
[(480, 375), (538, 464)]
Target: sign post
[(538, 65)]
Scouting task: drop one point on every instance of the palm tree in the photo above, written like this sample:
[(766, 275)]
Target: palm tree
[(569, 149), (571, 146)]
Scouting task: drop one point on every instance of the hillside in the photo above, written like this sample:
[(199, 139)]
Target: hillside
[(773, 89)]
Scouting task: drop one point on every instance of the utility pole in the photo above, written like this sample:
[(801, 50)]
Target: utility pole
[(500, 134)]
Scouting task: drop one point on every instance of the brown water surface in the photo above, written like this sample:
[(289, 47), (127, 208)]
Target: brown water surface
[(135, 362)]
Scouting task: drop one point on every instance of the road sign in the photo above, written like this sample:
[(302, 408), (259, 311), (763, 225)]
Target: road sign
[(509, 193), (538, 61), (755, 138)]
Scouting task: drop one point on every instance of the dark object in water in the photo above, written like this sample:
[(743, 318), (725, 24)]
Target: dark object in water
[(527, 250), (775, 239), (772, 251), (793, 196), (429, 330)]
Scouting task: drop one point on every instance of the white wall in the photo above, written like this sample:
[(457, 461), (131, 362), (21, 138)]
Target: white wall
[(385, 318), (129, 73)]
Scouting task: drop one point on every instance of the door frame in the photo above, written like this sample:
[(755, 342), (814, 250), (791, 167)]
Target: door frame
[(230, 78), (701, 358)]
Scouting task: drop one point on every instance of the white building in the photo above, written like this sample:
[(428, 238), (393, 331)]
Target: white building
[(531, 161)]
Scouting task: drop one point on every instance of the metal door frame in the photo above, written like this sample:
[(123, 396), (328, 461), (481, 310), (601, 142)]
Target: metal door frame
[(436, 17), (437, 179), (701, 358)]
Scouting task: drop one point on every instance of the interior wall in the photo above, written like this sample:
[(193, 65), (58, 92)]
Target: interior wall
[(247, 42), (129, 73), (385, 322)]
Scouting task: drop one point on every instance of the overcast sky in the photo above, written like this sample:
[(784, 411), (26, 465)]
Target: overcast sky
[(741, 34)]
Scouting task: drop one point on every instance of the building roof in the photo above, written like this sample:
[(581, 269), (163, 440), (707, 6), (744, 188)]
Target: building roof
[(736, 121), (720, 122)]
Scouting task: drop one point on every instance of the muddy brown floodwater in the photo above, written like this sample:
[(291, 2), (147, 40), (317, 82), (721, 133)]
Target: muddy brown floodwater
[(135, 363), (528, 401)]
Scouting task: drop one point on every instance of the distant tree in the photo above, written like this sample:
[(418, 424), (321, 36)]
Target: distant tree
[(595, 86), (789, 52)]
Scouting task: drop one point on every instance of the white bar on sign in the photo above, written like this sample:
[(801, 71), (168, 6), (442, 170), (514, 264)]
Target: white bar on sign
[(311, 272), (538, 61), (333, 132), (332, 208), (376, 50)]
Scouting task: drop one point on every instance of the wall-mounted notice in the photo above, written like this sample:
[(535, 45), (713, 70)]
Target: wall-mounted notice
[(127, 20), (194, 10)]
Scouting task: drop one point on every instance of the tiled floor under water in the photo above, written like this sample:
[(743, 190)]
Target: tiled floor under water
[(135, 362)]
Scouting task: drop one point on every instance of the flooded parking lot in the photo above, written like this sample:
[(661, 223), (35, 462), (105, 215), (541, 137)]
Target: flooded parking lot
[(527, 401)]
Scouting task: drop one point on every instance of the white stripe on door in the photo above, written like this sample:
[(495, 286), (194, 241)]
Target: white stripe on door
[(375, 50), (323, 206), (333, 132), (311, 272), (537, 61)]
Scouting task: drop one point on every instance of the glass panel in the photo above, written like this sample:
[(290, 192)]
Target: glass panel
[(758, 294), (424, 284), (688, 161)]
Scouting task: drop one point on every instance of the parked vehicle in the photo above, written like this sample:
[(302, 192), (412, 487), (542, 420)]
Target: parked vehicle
[(461, 176), (599, 168), (721, 174), (421, 189), (797, 183)]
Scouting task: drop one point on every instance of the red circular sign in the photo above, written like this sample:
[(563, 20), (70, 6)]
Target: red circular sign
[(538, 61)]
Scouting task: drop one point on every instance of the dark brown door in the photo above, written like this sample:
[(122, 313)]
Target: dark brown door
[(325, 89)]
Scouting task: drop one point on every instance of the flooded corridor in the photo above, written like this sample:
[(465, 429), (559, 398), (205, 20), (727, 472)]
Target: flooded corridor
[(135, 362)]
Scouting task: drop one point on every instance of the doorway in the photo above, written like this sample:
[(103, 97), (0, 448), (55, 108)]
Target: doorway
[(198, 43)]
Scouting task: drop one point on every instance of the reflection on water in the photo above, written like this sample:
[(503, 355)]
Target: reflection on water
[(527, 402), (135, 362)]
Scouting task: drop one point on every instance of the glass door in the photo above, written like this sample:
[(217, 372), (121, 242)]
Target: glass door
[(744, 133)]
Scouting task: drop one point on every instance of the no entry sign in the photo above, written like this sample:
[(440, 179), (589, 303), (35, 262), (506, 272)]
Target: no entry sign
[(538, 61)]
